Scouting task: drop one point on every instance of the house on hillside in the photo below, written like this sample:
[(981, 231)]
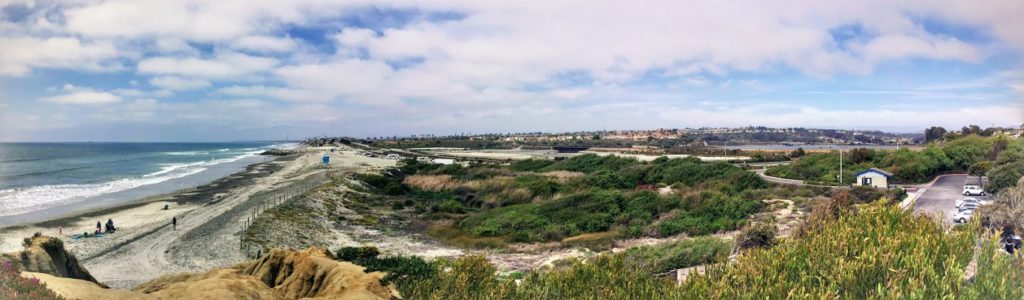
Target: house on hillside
[(873, 177)]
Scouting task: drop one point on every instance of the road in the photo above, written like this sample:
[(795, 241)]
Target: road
[(939, 199)]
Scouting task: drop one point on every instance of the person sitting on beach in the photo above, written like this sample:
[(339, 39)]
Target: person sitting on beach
[(110, 226)]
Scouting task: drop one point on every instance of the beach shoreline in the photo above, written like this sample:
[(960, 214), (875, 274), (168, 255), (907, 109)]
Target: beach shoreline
[(71, 221), (137, 196), (210, 219)]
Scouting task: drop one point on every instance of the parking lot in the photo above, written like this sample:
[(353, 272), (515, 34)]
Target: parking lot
[(940, 198)]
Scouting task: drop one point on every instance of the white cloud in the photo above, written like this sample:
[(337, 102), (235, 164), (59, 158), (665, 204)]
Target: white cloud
[(178, 83), (350, 77), (128, 92), (265, 44), (83, 97), (19, 55), (287, 94), (222, 66), (175, 45)]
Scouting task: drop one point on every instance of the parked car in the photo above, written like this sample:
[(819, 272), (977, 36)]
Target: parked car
[(973, 190), (961, 202), (968, 205), (963, 216)]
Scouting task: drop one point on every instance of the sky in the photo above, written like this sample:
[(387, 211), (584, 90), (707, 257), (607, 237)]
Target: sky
[(232, 70)]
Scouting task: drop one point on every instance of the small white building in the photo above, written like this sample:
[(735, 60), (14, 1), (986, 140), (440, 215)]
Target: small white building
[(873, 177), (444, 161)]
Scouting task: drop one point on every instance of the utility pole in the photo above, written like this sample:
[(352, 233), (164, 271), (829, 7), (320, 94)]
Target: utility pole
[(840, 165)]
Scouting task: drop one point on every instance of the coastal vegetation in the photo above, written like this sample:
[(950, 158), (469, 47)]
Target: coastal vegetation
[(400, 269), (871, 251), (970, 153), (15, 287), (543, 200)]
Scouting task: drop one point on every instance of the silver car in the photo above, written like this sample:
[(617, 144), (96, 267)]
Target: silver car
[(960, 203), (963, 216)]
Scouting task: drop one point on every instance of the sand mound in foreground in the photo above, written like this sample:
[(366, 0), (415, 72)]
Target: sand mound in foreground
[(281, 274), (47, 255), (315, 273)]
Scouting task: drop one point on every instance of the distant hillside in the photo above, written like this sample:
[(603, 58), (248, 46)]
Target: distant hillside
[(663, 138)]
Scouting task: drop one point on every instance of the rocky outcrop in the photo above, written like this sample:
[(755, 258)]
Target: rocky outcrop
[(314, 273), (47, 255), (281, 274)]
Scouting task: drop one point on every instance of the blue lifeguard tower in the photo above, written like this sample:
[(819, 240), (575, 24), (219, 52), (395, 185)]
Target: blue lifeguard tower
[(326, 161)]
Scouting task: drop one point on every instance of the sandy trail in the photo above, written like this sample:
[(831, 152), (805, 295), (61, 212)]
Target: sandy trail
[(148, 255)]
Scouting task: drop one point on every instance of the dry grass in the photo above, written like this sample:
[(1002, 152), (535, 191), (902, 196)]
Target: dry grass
[(491, 185), (433, 183), (563, 175)]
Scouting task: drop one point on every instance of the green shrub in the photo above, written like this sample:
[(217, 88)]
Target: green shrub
[(357, 253), (398, 268), (850, 257), (530, 165), (757, 236), (53, 245), (542, 186), (606, 179), (709, 213), (878, 252), (585, 212), (505, 220), (590, 163), (450, 206), (1004, 176), (683, 254), (395, 188)]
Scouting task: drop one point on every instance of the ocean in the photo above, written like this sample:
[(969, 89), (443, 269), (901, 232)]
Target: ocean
[(38, 179)]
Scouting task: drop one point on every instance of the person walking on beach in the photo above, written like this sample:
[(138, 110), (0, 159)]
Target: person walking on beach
[(174, 223), (98, 228)]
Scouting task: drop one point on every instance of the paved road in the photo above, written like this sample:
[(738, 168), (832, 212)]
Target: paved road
[(779, 180), (940, 198)]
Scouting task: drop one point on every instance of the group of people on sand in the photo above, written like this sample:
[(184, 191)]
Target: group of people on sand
[(109, 227), (100, 229)]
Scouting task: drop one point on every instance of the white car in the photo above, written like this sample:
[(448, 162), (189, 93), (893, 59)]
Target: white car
[(973, 190), (963, 216), (960, 203)]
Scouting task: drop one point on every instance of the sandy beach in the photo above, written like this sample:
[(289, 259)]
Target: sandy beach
[(210, 219)]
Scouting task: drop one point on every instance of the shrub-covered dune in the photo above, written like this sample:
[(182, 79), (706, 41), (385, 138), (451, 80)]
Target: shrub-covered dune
[(878, 252)]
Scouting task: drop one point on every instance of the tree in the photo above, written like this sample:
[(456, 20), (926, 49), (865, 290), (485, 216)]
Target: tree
[(979, 168), (860, 155), (969, 130), (998, 145), (799, 152), (934, 133)]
